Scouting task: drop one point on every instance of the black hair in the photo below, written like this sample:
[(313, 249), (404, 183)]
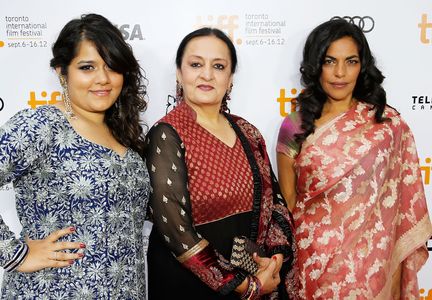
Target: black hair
[(207, 31), (123, 118), (368, 87)]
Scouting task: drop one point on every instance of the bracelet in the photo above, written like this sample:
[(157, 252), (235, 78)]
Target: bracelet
[(23, 260), (257, 289), (245, 293), (17, 259), (253, 291)]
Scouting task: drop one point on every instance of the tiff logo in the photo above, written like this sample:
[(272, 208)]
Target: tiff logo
[(54, 98), (225, 23), (425, 297), (424, 26), (426, 169), (284, 100)]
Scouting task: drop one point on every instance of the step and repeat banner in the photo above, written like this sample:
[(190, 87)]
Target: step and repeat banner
[(269, 36)]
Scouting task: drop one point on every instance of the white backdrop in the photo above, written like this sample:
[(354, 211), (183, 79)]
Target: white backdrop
[(269, 37)]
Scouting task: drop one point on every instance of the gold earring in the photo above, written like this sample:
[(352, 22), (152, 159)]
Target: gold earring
[(179, 92), (66, 99)]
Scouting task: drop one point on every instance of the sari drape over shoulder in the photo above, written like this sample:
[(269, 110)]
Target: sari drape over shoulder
[(361, 217)]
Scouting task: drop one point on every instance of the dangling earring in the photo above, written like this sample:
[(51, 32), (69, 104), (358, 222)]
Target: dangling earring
[(66, 99), (228, 93), (179, 92), (225, 99)]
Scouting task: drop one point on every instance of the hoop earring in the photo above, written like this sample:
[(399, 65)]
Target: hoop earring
[(66, 99), (179, 92)]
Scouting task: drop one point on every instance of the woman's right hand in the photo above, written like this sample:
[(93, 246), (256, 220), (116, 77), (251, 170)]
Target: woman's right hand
[(47, 253), (267, 274)]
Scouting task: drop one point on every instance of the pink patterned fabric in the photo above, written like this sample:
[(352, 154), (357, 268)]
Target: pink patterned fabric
[(361, 210)]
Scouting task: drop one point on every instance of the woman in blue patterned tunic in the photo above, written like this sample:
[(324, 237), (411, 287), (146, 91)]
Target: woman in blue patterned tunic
[(80, 181)]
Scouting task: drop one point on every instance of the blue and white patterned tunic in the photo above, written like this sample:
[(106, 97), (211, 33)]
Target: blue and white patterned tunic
[(61, 180)]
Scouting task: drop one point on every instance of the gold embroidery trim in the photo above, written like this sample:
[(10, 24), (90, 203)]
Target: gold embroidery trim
[(411, 240), (405, 245), (193, 251)]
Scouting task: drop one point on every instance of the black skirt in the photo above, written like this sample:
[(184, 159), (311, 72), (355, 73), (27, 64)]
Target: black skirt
[(168, 279)]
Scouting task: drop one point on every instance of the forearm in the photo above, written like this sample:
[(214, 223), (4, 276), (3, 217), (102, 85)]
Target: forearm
[(290, 197), (287, 179)]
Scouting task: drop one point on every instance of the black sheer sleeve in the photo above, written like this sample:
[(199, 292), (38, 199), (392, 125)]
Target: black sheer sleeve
[(171, 210), (169, 202)]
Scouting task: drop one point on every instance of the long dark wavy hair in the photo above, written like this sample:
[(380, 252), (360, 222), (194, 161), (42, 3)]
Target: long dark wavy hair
[(207, 31), (122, 118), (368, 86)]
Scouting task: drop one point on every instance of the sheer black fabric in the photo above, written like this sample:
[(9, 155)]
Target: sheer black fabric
[(173, 231), (168, 279), (169, 201)]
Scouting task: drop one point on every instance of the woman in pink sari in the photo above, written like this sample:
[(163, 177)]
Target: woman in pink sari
[(348, 168)]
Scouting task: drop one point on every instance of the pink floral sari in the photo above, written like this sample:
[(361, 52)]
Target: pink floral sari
[(361, 217)]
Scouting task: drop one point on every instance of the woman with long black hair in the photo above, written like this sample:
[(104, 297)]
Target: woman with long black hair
[(348, 168), (80, 180)]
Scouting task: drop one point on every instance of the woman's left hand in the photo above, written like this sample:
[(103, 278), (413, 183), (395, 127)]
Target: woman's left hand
[(279, 260), (266, 275), (263, 263)]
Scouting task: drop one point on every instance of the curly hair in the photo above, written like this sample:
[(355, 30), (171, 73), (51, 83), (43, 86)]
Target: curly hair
[(122, 118), (368, 87)]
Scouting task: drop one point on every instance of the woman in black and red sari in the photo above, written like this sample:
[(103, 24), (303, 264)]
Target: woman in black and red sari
[(212, 181)]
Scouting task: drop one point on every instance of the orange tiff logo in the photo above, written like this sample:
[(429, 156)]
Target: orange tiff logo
[(426, 169), (425, 297), (424, 26), (223, 22), (284, 100), (53, 99)]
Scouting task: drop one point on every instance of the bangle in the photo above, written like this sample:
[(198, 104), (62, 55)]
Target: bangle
[(245, 292), (23, 260), (257, 289), (253, 291), (18, 259)]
